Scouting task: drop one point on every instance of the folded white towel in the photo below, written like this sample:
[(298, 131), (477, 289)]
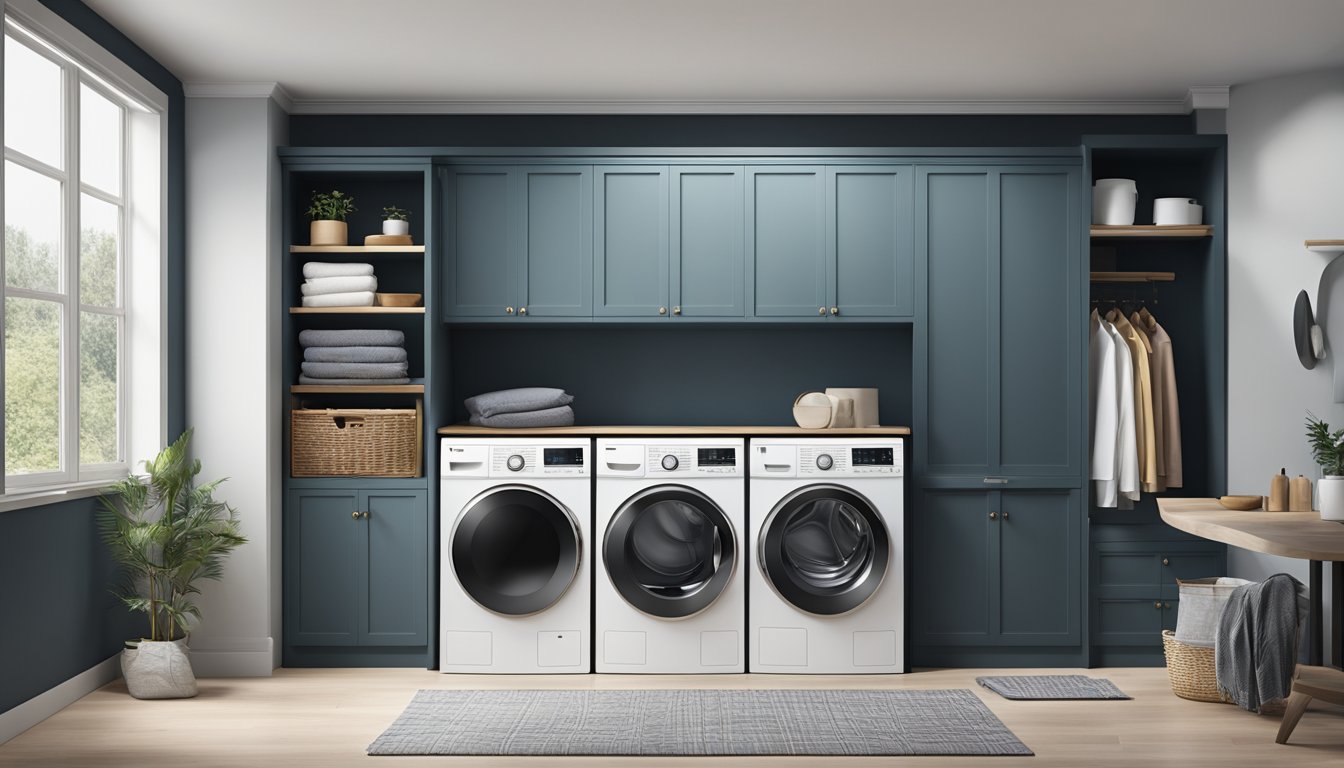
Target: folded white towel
[(354, 299), (318, 286), (330, 269)]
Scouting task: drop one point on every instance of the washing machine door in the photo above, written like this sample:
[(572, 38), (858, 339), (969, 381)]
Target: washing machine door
[(825, 549), (670, 551), (516, 550)]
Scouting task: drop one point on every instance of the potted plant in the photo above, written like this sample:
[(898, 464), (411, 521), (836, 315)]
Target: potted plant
[(328, 210), (395, 221), (167, 534), (1327, 448)]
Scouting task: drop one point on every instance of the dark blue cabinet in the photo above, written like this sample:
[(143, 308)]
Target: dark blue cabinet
[(786, 241), (356, 567), (630, 225), (556, 246), (870, 244), (708, 257), (480, 212)]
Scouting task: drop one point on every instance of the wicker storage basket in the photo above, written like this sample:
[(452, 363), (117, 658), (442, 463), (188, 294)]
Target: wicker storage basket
[(355, 442), (1191, 670)]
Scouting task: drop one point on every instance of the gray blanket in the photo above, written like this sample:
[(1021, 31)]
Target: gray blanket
[(354, 370), (352, 382), (550, 417), (354, 355), (1255, 649), (519, 400), (356, 337)]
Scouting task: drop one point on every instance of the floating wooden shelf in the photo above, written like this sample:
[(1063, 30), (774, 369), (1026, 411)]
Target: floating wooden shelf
[(1133, 277), (1178, 232), (356, 310), (466, 430), (1328, 247), (356, 249), (372, 389)]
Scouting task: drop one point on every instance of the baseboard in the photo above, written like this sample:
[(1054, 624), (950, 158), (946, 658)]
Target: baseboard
[(234, 658), (33, 711)]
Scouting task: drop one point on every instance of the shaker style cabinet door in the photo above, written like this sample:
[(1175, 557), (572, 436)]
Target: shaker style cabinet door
[(1039, 600), (630, 230), (480, 230), (708, 259), (396, 576), (954, 564), (557, 247), (870, 241), (786, 234), (322, 544)]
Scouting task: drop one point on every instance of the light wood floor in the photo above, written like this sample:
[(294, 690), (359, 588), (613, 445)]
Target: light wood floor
[(327, 717)]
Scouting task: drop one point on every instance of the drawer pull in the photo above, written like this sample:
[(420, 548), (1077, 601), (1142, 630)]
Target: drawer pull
[(996, 481)]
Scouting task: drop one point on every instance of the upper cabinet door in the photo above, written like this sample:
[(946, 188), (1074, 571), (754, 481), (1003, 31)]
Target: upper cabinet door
[(630, 264), (786, 234), (1042, 321), (870, 240), (480, 250), (557, 252), (708, 258)]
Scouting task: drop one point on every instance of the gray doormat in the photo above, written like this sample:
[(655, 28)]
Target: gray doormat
[(697, 722), (1052, 687)]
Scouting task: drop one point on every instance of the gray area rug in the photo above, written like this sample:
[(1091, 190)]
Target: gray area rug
[(697, 722), (1052, 687)]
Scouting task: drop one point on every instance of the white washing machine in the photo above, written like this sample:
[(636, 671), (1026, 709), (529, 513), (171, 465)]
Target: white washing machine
[(827, 542), (670, 556), (514, 582)]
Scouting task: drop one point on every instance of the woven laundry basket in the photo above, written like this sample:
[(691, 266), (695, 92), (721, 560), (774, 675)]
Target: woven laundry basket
[(1191, 670), (349, 442)]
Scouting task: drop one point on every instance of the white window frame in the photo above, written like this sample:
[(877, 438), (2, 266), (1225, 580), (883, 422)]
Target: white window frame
[(141, 254)]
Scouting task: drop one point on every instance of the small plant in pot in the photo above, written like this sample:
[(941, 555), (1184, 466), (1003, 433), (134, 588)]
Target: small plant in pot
[(395, 221), (329, 210), (167, 534), (1327, 448)]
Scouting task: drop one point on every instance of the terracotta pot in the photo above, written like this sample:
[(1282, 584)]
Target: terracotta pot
[(158, 669), (328, 232)]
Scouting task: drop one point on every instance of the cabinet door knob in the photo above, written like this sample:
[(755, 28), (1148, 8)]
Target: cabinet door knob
[(522, 310), (354, 515), (1005, 515), (993, 515), (662, 310), (821, 310), (1165, 561), (1167, 606), (835, 310), (508, 310), (364, 514), (1158, 605), (676, 310)]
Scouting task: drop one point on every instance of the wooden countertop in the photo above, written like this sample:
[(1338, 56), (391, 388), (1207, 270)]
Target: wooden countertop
[(464, 430), (1303, 535)]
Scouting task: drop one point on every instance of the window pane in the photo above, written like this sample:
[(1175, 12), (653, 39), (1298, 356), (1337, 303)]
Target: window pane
[(32, 386), (98, 389), (99, 141), (32, 103), (98, 243), (32, 229)]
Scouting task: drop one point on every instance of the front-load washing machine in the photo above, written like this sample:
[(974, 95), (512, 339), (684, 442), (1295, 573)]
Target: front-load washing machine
[(514, 582), (827, 537), (670, 585)]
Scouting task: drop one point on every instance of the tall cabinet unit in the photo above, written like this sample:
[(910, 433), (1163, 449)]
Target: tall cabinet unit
[(998, 522)]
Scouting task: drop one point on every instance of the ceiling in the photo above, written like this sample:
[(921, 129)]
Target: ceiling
[(734, 55)]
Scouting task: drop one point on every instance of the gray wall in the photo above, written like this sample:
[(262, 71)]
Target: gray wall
[(1286, 162)]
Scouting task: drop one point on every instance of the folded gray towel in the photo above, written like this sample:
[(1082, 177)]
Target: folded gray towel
[(354, 370), (352, 382), (354, 355), (518, 400), (549, 417), (355, 337)]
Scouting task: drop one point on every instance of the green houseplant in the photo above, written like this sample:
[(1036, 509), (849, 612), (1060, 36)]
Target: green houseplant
[(1327, 448), (328, 211), (395, 220), (167, 534)]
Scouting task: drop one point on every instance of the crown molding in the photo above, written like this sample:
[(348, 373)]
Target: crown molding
[(240, 90), (1207, 97), (667, 107)]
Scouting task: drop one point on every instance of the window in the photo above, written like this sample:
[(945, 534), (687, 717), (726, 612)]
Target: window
[(82, 263)]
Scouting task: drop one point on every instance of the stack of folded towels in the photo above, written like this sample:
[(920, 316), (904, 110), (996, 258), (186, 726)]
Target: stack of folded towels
[(353, 357), (522, 408), (338, 285)]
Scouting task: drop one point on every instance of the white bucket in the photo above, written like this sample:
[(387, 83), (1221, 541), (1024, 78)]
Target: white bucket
[(1177, 211), (1113, 201)]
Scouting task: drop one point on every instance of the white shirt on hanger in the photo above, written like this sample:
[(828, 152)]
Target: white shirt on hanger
[(1105, 412), (1126, 443)]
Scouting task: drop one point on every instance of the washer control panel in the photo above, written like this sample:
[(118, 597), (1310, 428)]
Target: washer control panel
[(537, 461), (671, 457), (850, 460)]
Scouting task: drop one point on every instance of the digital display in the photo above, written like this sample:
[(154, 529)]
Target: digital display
[(716, 457), (872, 457), (562, 457)]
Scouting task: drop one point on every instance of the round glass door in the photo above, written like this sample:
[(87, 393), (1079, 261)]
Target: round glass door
[(516, 550), (670, 551), (825, 549)]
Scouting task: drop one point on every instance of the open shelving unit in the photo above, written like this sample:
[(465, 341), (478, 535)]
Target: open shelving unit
[(1151, 231)]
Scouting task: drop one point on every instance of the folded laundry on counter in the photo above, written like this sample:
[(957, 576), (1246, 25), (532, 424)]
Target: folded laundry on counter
[(517, 400), (331, 269), (352, 337), (354, 370), (319, 286), (354, 355), (549, 417), (352, 382), (356, 299)]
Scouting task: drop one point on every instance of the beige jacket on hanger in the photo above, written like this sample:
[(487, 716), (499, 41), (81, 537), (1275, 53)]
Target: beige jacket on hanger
[(1144, 432), (1166, 407), (1156, 391)]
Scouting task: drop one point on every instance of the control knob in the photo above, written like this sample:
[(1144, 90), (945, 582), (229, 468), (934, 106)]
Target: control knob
[(670, 462), (515, 463), (825, 462)]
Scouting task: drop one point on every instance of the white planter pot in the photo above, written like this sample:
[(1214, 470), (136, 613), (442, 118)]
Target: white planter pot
[(327, 232), (396, 227), (158, 669), (1331, 490)]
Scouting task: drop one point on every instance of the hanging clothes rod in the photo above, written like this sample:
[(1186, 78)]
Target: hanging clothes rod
[(1133, 277)]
